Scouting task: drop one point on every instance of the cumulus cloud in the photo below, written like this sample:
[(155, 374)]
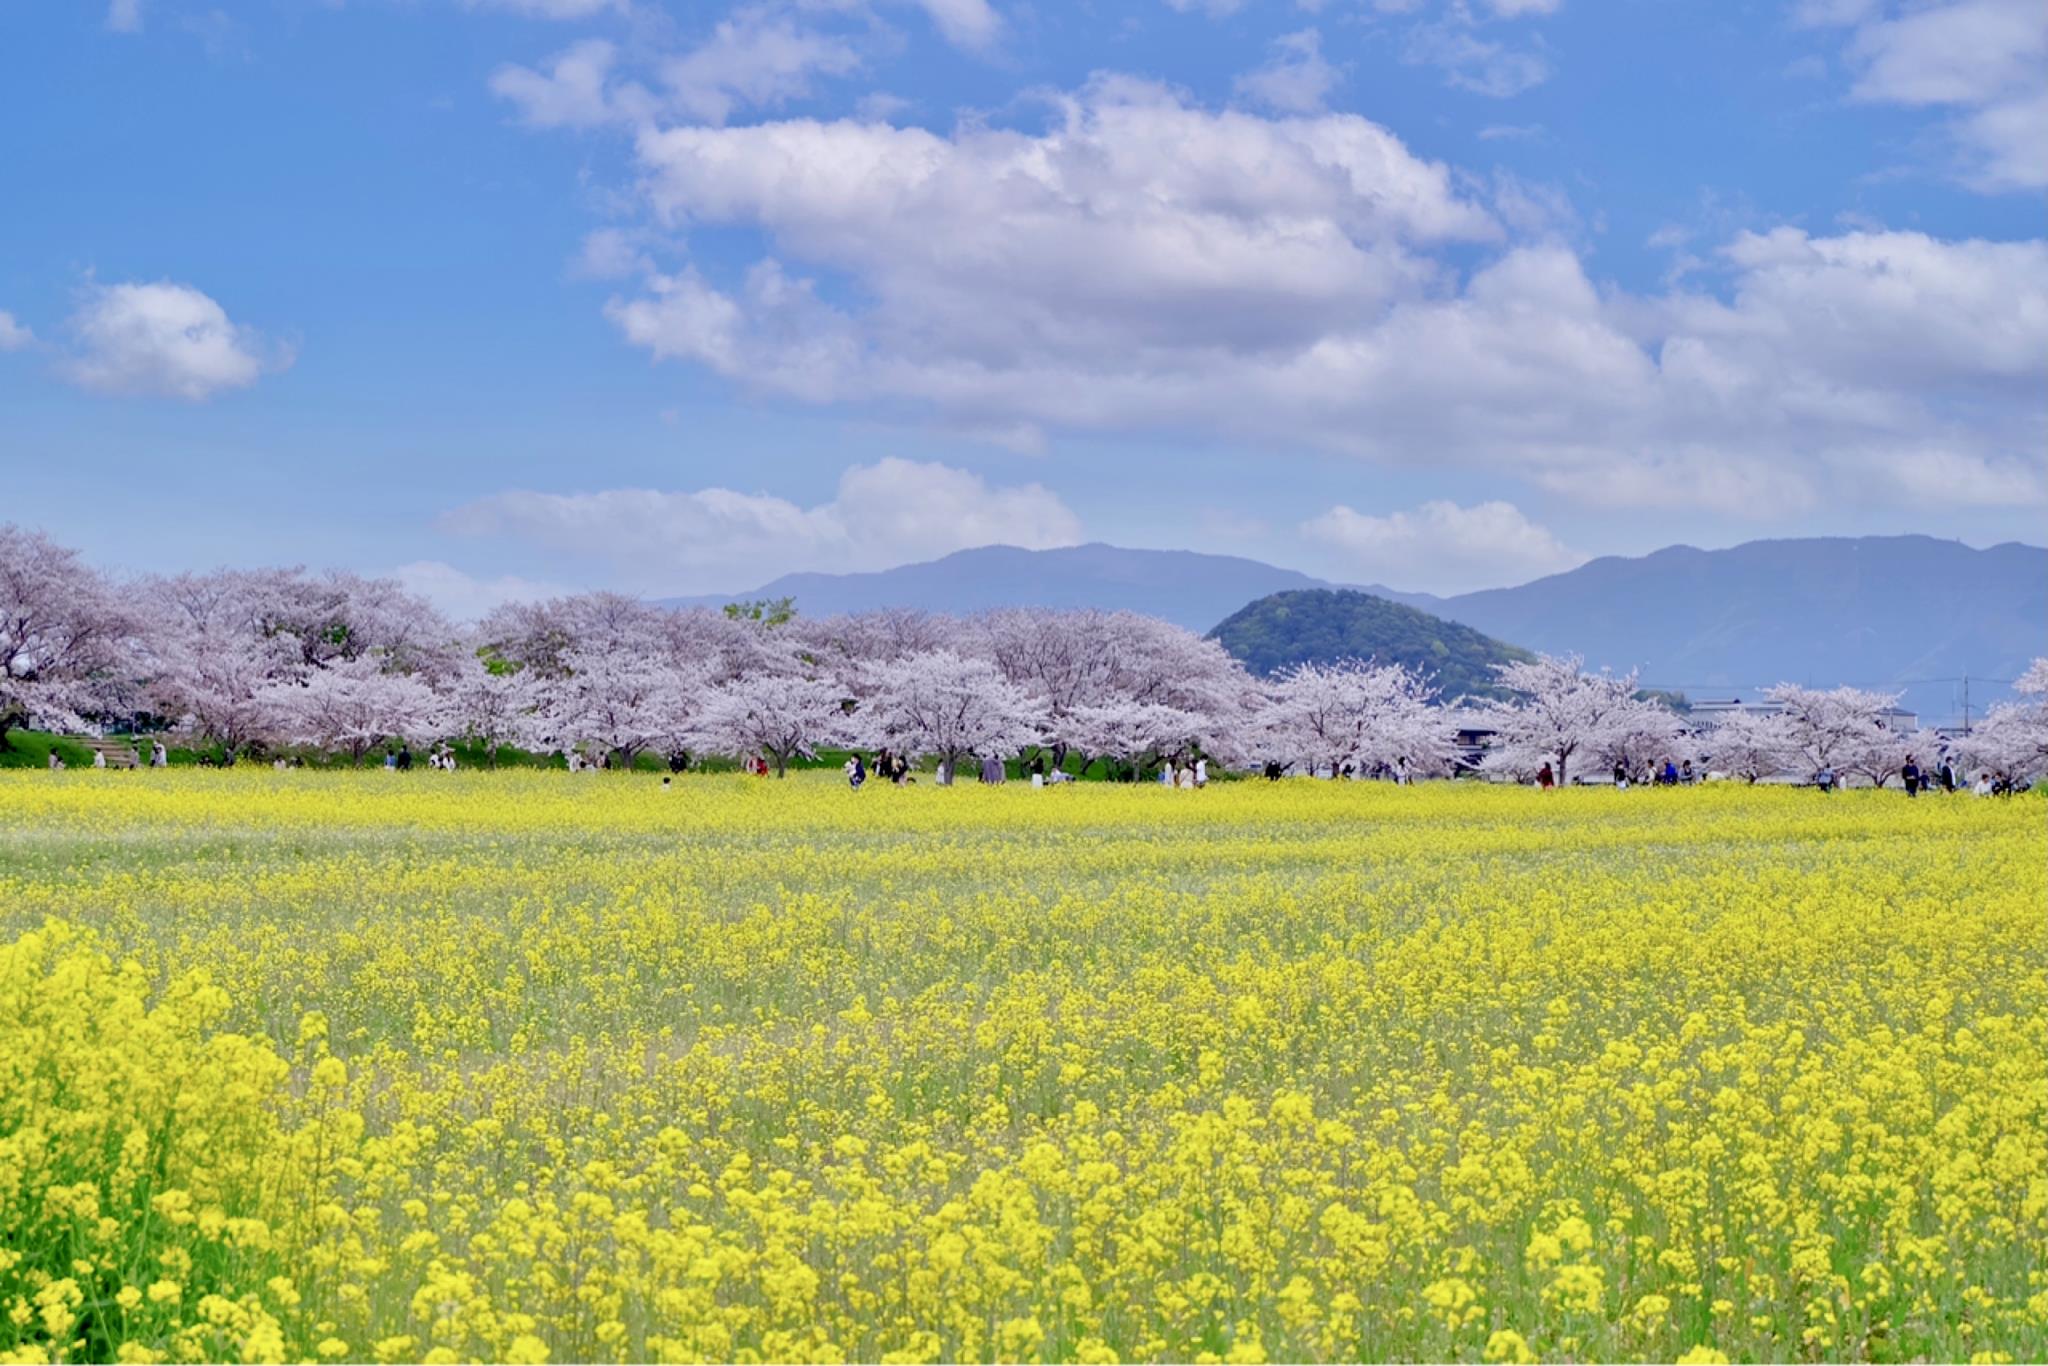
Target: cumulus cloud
[(1134, 222), (891, 512), (1296, 79), (13, 335), (1442, 547), (163, 339), (1143, 263), (1987, 60), (468, 597)]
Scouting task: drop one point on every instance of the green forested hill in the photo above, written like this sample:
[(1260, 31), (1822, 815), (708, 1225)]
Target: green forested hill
[(1321, 626)]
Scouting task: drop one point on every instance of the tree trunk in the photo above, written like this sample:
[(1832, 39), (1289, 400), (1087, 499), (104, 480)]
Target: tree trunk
[(781, 764)]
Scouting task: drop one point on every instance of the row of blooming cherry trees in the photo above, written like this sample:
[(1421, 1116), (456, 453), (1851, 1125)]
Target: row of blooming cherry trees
[(253, 659)]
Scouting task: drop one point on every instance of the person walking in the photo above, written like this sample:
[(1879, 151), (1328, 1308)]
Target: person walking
[(1825, 779), (159, 757), (1911, 774), (1545, 779), (856, 772), (1947, 774), (1202, 772), (1621, 777)]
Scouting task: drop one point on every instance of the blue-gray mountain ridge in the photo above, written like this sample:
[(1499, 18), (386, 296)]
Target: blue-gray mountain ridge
[(1912, 613)]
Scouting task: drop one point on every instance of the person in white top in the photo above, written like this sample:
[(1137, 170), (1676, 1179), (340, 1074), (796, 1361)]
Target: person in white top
[(1201, 773)]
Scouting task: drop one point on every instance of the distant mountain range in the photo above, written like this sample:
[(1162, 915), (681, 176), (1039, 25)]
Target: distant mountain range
[(1898, 612), (1181, 586), (1324, 625)]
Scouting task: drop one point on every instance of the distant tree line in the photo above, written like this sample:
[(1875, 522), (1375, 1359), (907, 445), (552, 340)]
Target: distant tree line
[(247, 660)]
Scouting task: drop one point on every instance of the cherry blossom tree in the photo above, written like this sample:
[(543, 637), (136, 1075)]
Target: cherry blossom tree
[(2013, 738), (1353, 712), (1563, 712), (352, 706), (490, 707), (1746, 744), (212, 658), (621, 699), (1640, 739), (780, 716), (1834, 728), (853, 646), (1883, 751), (947, 707), (68, 637), (1127, 732)]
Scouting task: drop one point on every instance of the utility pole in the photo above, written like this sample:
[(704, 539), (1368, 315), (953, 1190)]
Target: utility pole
[(1966, 704)]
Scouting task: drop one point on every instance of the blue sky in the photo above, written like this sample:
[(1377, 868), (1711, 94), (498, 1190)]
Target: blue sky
[(521, 294)]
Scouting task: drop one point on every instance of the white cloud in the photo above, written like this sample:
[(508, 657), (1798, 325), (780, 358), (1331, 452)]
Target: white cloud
[(1469, 62), (1134, 222), (466, 597), (1442, 547), (1146, 265), (576, 91), (753, 59), (1296, 79), (611, 254), (163, 339), (759, 56), (891, 512), (13, 335), (970, 24), (125, 16), (1985, 59), (548, 9)]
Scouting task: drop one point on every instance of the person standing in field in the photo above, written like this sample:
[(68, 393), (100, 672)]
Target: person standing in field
[(159, 757), (1202, 772), (1911, 774), (856, 772), (1621, 777), (1545, 779)]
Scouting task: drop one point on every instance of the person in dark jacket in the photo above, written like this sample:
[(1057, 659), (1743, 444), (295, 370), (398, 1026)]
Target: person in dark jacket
[(1911, 774)]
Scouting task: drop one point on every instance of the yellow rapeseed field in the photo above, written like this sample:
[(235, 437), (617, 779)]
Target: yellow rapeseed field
[(532, 1066)]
